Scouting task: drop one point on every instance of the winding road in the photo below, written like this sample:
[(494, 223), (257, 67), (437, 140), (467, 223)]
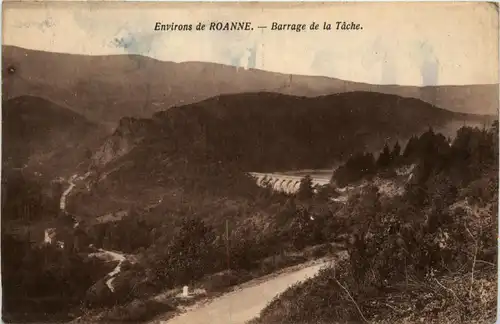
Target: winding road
[(236, 307), (246, 303), (107, 256), (114, 256), (72, 184)]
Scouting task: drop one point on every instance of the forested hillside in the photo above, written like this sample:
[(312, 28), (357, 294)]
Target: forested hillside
[(429, 254)]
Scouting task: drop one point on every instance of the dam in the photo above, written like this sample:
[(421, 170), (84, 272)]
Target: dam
[(284, 182)]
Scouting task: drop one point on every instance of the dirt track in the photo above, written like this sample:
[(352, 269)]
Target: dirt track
[(244, 304)]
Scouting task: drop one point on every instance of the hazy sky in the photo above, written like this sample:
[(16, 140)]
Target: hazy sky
[(412, 43)]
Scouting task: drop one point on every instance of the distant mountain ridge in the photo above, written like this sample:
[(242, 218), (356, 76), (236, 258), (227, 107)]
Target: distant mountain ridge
[(271, 131), (107, 88)]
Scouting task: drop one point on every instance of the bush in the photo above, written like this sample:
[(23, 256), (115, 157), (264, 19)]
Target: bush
[(321, 250), (136, 311), (220, 281), (305, 191), (273, 263), (44, 278), (356, 168)]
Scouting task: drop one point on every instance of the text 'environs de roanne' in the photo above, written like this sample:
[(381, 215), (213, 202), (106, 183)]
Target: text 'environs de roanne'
[(213, 26)]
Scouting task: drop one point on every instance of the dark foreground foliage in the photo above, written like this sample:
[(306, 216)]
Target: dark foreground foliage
[(423, 243), (43, 280), (429, 255), (172, 247)]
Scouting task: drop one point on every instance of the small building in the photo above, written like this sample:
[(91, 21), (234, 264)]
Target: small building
[(50, 235)]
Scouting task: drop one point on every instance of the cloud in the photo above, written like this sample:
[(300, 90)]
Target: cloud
[(247, 59), (430, 64), (43, 25), (133, 43)]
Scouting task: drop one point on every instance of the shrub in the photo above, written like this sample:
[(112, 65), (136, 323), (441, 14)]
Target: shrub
[(320, 250), (136, 311), (305, 191), (220, 281)]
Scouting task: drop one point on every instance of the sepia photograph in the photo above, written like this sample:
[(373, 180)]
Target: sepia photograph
[(249, 163)]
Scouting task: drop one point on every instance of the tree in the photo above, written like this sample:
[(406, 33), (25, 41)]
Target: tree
[(57, 279), (410, 149), (325, 192), (286, 213), (396, 152), (305, 191), (189, 254), (23, 198), (494, 134), (384, 158), (356, 168)]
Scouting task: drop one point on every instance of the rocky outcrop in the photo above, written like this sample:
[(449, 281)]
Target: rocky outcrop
[(129, 133)]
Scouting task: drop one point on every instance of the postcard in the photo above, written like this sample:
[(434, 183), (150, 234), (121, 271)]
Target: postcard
[(249, 163)]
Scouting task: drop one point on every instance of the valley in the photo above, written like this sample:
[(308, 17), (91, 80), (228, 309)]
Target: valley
[(120, 196)]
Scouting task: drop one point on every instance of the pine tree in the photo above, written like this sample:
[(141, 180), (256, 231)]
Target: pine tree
[(396, 152), (305, 191), (384, 158), (410, 148)]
